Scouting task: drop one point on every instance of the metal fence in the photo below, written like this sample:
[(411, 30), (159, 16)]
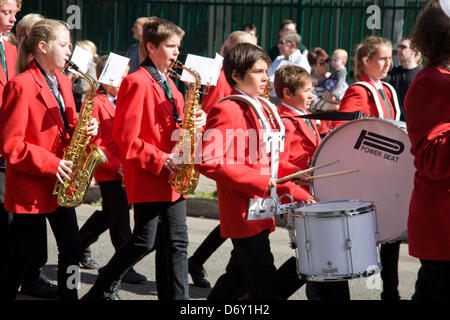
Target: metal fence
[(329, 24)]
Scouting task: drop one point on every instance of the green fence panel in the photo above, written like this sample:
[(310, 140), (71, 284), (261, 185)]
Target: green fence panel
[(328, 24)]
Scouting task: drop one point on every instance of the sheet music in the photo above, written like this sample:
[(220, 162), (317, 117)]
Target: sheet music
[(114, 69), (82, 58), (207, 68)]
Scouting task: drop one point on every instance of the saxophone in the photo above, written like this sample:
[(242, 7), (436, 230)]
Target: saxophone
[(185, 180), (71, 193)]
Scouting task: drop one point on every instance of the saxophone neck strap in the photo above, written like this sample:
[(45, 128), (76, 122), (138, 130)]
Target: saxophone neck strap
[(151, 68)]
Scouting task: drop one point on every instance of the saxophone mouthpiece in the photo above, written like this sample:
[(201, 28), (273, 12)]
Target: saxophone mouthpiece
[(70, 64)]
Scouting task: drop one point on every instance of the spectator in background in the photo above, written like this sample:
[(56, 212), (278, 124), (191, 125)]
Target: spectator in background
[(80, 86), (289, 54), (250, 28), (336, 83), (401, 76), (286, 25), (319, 61), (133, 52)]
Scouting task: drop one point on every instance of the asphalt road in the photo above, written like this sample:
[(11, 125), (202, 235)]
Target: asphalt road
[(199, 228)]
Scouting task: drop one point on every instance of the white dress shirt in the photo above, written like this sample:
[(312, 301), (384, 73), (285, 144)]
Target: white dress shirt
[(295, 58)]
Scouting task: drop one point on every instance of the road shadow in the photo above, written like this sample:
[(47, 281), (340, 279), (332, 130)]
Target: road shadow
[(144, 289)]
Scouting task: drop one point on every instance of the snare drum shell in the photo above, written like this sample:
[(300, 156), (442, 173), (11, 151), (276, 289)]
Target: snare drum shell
[(324, 252), (380, 150)]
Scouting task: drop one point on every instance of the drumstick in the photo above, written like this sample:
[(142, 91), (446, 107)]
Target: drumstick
[(326, 175), (299, 173)]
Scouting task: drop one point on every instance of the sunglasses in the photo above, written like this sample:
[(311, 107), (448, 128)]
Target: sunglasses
[(283, 41), (402, 46)]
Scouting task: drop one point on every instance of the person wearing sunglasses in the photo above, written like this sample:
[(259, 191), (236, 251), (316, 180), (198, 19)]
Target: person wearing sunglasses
[(288, 45), (402, 75)]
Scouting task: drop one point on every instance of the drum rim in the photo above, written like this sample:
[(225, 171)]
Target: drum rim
[(338, 277), (338, 212), (329, 135)]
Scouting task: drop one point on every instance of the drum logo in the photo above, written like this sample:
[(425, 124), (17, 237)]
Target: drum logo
[(379, 145), (329, 269)]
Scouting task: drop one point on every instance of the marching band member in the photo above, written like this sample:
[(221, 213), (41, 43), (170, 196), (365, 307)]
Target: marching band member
[(241, 175), (293, 85), (8, 55), (214, 94), (428, 123), (373, 60), (115, 214), (36, 120), (149, 109), (34, 283)]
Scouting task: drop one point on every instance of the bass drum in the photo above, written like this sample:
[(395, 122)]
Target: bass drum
[(380, 150)]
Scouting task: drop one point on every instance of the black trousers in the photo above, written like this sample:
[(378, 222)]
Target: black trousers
[(169, 218), (30, 238), (433, 281), (389, 254), (208, 246), (6, 237), (324, 291), (251, 264), (114, 216)]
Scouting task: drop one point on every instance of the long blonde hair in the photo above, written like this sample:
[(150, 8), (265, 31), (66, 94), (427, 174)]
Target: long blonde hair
[(23, 27), (43, 30), (366, 50)]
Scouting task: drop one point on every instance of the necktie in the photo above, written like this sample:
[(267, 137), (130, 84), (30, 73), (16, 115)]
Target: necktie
[(59, 99), (308, 122), (2, 56), (168, 91), (386, 103)]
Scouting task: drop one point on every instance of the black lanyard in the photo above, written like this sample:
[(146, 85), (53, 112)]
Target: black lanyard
[(151, 68)]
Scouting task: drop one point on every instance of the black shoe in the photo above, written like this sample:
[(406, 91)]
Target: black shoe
[(41, 288), (86, 262), (198, 275), (94, 294), (133, 277)]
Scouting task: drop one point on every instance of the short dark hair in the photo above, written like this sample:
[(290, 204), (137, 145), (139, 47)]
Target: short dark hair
[(241, 58), (315, 54), (431, 35), (287, 21), (101, 63), (292, 77), (156, 30)]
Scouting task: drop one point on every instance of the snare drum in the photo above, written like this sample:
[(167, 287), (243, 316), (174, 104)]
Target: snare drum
[(336, 240), (380, 150)]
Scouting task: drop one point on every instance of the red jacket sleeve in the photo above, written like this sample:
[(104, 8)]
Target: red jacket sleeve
[(15, 117), (131, 101)]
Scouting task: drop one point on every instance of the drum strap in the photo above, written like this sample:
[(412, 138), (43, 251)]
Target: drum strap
[(377, 100), (334, 115)]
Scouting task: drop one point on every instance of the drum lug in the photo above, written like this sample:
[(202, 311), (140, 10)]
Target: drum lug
[(307, 245), (349, 244)]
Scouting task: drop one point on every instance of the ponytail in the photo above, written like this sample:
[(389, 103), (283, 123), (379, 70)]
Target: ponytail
[(23, 56), (43, 30)]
